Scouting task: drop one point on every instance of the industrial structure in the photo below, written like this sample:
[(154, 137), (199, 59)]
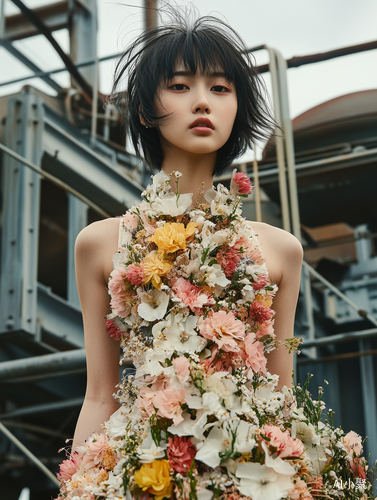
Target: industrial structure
[(64, 165)]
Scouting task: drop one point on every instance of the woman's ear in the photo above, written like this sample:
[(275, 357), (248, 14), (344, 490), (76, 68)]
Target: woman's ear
[(141, 118)]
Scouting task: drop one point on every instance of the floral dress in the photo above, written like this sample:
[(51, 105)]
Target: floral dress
[(201, 418)]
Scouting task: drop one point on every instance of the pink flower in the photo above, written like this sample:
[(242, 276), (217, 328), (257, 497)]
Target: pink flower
[(265, 329), (300, 491), (228, 260), (261, 281), (181, 453), (182, 368), (357, 468), (281, 442), (168, 403), (256, 255), (243, 245), (240, 184), (114, 331), (191, 295), (259, 312), (146, 394), (224, 329), (352, 443), (135, 274), (255, 358), (122, 299), (69, 467), (96, 447), (130, 221)]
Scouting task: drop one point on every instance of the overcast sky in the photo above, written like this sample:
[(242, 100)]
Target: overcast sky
[(294, 27)]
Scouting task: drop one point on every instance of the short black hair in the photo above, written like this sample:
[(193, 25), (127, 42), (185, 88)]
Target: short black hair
[(205, 44)]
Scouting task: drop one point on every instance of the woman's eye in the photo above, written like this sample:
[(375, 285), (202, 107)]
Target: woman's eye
[(179, 86), (220, 88)]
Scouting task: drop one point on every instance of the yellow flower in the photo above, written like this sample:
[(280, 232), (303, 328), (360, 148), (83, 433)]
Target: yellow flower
[(154, 268), (172, 236), (155, 478)]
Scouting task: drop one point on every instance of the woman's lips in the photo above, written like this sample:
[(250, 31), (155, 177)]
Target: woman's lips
[(202, 126)]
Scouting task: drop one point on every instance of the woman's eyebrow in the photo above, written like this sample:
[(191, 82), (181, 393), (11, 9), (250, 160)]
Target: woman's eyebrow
[(209, 73)]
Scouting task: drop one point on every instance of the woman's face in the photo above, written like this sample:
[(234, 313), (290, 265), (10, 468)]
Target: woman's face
[(202, 108)]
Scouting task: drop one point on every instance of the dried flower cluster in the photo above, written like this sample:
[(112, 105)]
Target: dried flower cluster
[(201, 418)]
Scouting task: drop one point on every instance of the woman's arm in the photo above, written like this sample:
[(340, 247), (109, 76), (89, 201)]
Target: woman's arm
[(94, 249), (283, 254)]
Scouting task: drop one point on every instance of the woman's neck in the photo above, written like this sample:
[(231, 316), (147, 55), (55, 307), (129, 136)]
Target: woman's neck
[(196, 174)]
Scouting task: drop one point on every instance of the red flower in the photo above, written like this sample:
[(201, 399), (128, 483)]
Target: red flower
[(228, 260), (181, 453), (243, 183), (114, 332), (260, 312), (357, 469), (260, 282)]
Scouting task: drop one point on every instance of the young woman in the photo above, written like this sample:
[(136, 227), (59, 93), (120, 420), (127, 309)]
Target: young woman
[(194, 104)]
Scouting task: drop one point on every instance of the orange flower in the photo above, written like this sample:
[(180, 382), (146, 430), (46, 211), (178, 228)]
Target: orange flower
[(153, 269), (155, 478), (172, 236)]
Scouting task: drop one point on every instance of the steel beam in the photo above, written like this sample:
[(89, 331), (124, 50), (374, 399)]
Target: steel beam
[(77, 220), (43, 408), (72, 161), (20, 234), (368, 388), (29, 64), (27, 368), (55, 16), (60, 318)]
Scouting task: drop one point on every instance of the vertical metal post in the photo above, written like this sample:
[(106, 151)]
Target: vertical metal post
[(289, 144), (368, 388), (20, 232), (307, 322), (83, 35), (258, 208), (77, 220), (2, 19), (279, 141), (150, 14)]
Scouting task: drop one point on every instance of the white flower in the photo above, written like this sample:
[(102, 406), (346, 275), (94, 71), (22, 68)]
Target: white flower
[(255, 269), (153, 305), (117, 423), (305, 432), (178, 334), (148, 451), (279, 465), (190, 427), (235, 436), (171, 204), (222, 387), (260, 482), (317, 457), (248, 293), (153, 363), (214, 275), (160, 179)]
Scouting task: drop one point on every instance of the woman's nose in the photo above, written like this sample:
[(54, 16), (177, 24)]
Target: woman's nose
[(201, 103)]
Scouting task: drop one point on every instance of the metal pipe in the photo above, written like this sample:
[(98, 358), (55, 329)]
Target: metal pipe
[(29, 410), (338, 357), (29, 454), (258, 207), (55, 180), (341, 337), (279, 143), (361, 312), (48, 363)]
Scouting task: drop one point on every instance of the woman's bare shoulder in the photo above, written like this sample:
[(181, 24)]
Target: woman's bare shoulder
[(96, 245), (282, 251), (98, 232), (275, 236)]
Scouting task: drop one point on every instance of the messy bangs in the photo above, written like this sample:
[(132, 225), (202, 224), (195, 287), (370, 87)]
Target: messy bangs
[(203, 46)]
